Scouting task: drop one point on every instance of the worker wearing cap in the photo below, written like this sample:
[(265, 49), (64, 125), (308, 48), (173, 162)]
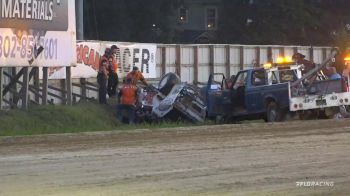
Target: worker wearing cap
[(112, 72), (127, 101), (136, 76)]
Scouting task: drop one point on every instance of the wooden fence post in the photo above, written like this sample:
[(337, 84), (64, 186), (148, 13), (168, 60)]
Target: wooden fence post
[(269, 55), (311, 52), (324, 53), (211, 59), (36, 84), (25, 87), (45, 85), (228, 61), (195, 65), (83, 88), (64, 89), (178, 60), (257, 56), (69, 85), (163, 60), (241, 58)]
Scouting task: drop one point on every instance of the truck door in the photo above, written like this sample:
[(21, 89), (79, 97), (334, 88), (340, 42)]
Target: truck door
[(217, 95), (254, 94), (238, 90)]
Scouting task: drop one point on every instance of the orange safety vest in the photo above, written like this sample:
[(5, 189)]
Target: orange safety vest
[(114, 62), (135, 76), (128, 93), (115, 65)]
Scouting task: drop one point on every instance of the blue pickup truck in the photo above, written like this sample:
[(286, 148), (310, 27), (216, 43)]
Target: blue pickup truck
[(253, 94)]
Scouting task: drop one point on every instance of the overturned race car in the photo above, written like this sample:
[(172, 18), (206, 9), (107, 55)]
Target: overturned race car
[(172, 100)]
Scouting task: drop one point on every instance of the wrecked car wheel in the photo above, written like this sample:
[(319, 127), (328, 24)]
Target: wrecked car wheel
[(167, 83)]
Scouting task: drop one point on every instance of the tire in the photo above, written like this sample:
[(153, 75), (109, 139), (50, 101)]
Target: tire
[(167, 82), (273, 114)]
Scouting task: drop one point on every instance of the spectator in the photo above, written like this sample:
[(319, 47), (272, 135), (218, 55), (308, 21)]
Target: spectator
[(127, 101), (102, 81)]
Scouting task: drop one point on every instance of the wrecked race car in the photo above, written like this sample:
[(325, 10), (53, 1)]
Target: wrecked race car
[(172, 100)]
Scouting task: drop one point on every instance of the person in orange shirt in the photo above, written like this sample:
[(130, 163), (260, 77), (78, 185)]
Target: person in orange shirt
[(127, 101), (136, 76)]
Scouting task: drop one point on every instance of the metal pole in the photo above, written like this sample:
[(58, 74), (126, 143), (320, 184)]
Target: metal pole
[(79, 9)]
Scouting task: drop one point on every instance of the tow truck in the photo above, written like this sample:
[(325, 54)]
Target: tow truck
[(318, 95), (276, 90)]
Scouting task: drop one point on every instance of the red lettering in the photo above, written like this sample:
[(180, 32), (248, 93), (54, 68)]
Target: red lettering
[(91, 57), (97, 61), (85, 55), (79, 54)]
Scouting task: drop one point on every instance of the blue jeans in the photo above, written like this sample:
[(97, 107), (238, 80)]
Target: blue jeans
[(129, 110)]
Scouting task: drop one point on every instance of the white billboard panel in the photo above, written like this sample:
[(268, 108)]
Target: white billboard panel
[(129, 54), (37, 33)]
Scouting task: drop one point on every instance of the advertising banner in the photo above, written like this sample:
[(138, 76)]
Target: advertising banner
[(128, 55), (37, 33)]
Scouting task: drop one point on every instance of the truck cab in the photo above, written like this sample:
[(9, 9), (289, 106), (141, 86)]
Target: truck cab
[(255, 93)]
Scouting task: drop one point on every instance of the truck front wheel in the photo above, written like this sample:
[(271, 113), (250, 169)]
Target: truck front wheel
[(274, 114)]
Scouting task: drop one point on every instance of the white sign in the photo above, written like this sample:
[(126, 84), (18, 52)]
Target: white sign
[(129, 54), (37, 33)]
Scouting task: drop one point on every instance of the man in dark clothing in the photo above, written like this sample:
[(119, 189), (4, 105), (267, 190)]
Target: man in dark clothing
[(127, 101), (112, 72), (102, 81)]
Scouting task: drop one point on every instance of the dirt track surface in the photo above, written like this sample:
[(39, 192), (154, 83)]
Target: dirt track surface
[(243, 159)]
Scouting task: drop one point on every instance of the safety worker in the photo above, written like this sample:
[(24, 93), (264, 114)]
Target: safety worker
[(127, 101), (136, 76), (106, 55), (102, 81), (112, 72)]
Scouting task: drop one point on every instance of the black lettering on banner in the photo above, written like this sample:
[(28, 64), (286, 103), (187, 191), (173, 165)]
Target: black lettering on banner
[(145, 60), (30, 49), (13, 52), (135, 59), (23, 47), (117, 58), (126, 60)]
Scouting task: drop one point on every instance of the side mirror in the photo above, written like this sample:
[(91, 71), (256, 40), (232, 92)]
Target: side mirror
[(214, 87)]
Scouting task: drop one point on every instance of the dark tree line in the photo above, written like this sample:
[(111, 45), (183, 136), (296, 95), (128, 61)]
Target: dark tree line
[(292, 22), (129, 20)]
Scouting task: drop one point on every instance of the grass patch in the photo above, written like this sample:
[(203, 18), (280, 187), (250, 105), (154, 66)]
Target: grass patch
[(57, 119), (83, 117)]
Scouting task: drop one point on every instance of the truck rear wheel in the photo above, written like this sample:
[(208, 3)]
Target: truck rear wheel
[(274, 114)]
